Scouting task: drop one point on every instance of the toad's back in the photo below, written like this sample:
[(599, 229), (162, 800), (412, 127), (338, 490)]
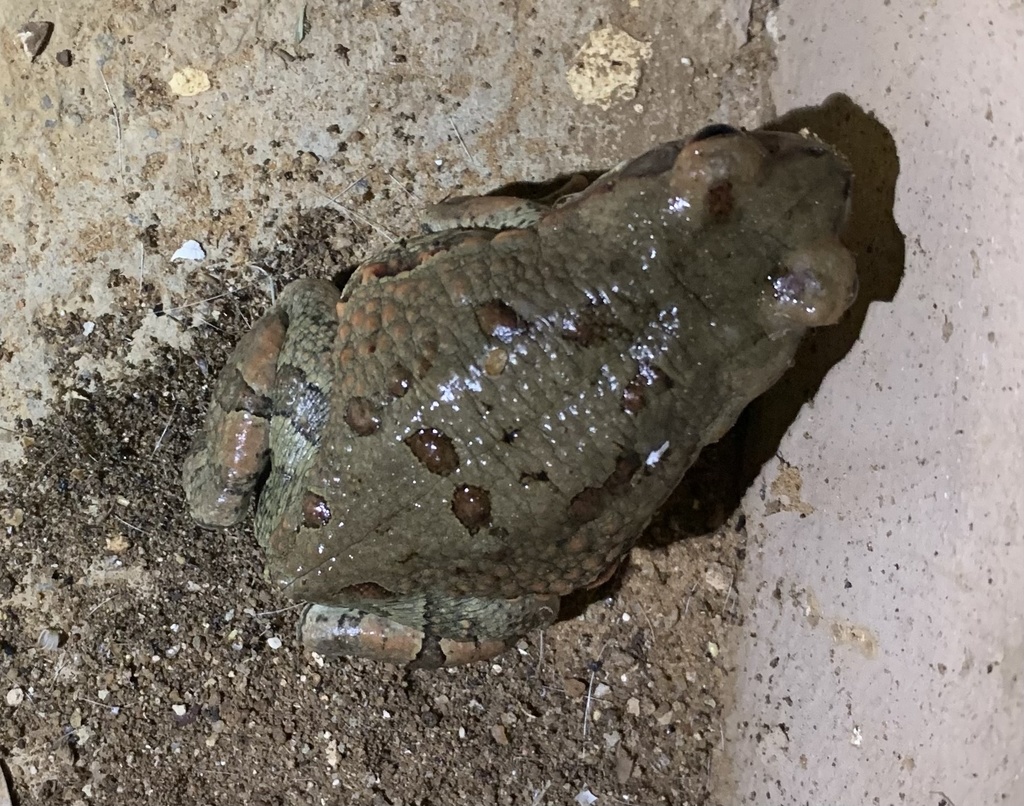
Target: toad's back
[(506, 417)]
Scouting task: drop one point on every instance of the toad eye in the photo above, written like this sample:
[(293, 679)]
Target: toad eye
[(714, 130)]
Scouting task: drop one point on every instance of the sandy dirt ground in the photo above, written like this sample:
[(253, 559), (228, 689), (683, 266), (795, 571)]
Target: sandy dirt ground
[(144, 660)]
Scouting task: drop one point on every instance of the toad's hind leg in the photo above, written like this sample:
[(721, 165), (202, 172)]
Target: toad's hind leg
[(425, 632), (230, 453)]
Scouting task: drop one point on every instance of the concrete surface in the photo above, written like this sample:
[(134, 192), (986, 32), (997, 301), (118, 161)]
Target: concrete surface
[(882, 661)]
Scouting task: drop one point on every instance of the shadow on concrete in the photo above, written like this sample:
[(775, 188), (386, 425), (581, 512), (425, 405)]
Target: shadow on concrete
[(712, 489)]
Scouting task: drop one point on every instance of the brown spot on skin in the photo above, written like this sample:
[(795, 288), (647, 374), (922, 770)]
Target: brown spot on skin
[(406, 293), (426, 337), (315, 512), (400, 332), (364, 320), (648, 380), (496, 361), (390, 313), (719, 200), (472, 506), (633, 398), (499, 321), (361, 416), (399, 381), (460, 290), (435, 450)]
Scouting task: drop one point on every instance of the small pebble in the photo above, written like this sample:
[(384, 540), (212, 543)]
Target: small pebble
[(189, 250), (16, 696), (189, 81), (274, 642), (34, 37), (575, 688), (718, 577), (623, 765), (64, 58)]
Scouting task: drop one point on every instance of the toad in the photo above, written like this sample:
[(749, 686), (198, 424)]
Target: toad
[(485, 417)]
